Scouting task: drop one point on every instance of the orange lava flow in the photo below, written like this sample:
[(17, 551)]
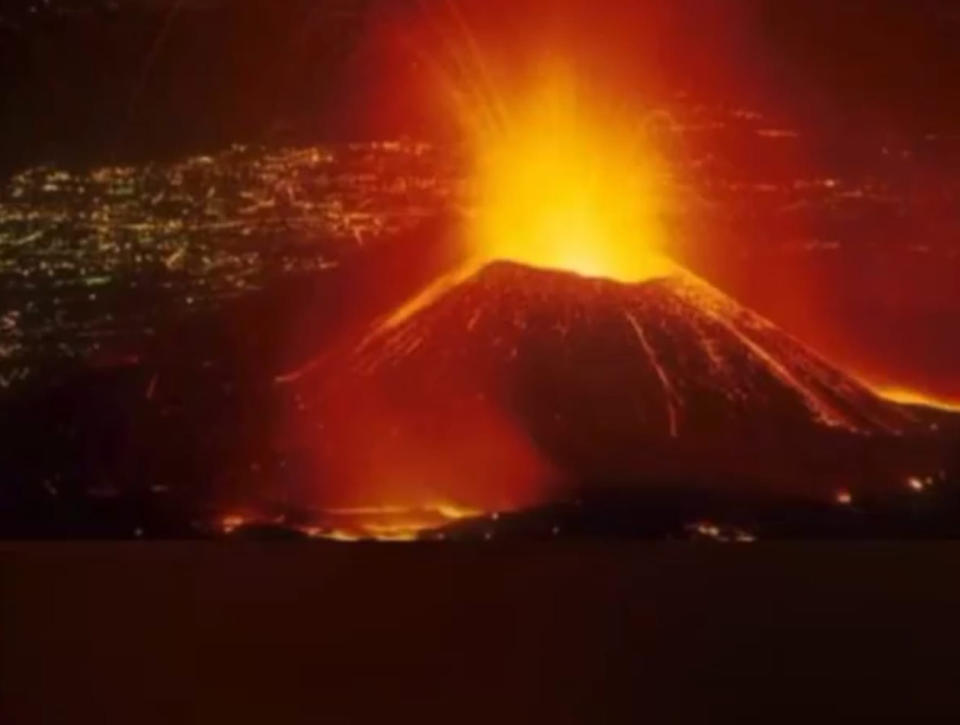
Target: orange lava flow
[(387, 523), (908, 396), (364, 523)]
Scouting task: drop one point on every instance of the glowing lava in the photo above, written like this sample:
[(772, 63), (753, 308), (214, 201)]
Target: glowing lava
[(368, 523), (914, 397), (388, 523), (562, 185)]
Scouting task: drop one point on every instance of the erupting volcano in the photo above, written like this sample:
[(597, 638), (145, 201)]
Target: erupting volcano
[(519, 384), (568, 352)]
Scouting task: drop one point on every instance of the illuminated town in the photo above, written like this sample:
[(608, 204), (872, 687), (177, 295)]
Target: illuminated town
[(168, 239)]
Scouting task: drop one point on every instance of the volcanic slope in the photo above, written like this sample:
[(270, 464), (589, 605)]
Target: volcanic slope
[(662, 379)]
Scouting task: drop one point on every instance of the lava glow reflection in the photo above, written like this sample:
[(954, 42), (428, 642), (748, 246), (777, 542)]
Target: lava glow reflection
[(914, 397), (560, 184), (387, 523)]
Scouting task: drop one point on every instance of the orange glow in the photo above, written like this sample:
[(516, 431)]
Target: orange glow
[(913, 397), (559, 184), (395, 465), (339, 536), (388, 523), (232, 522), (472, 79), (559, 178)]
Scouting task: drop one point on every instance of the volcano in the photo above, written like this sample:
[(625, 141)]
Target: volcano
[(657, 383)]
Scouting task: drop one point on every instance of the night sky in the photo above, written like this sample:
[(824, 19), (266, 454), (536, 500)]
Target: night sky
[(87, 79)]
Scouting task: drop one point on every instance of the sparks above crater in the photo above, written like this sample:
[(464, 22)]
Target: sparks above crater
[(559, 183)]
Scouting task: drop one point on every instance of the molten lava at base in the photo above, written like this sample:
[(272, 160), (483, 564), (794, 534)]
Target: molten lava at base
[(908, 396), (369, 523)]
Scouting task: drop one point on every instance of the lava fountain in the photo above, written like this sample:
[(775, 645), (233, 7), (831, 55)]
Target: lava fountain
[(560, 179), (559, 184)]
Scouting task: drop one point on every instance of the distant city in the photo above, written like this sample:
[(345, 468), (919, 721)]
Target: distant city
[(97, 256)]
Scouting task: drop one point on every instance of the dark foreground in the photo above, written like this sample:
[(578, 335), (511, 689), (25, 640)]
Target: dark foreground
[(585, 633)]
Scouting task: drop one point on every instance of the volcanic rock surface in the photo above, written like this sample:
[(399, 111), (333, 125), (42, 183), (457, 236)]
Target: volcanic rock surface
[(662, 380)]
